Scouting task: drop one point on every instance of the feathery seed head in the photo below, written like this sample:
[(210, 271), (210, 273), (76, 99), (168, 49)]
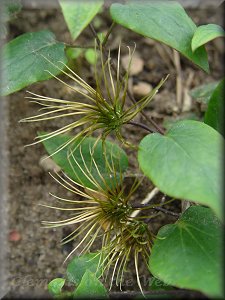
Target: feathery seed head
[(106, 206), (105, 107), (105, 213), (132, 241)]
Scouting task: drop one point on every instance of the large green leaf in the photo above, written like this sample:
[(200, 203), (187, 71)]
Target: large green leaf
[(90, 288), (73, 168), (26, 59), (186, 162), (188, 254), (78, 14), (205, 34), (214, 115), (80, 264), (164, 21)]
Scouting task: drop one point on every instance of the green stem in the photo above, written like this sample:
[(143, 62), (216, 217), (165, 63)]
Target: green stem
[(166, 211), (141, 125), (108, 34), (95, 34)]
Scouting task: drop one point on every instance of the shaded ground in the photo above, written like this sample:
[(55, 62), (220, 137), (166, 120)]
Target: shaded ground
[(35, 255)]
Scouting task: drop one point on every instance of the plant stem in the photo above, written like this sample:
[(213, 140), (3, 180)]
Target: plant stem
[(166, 211), (141, 125), (149, 119), (108, 34), (95, 34), (145, 201)]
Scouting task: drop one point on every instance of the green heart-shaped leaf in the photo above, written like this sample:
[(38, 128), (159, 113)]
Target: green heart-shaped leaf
[(55, 286), (78, 14), (80, 264), (205, 34), (214, 114), (90, 288), (164, 21), (186, 163), (188, 254), (73, 167), (26, 59)]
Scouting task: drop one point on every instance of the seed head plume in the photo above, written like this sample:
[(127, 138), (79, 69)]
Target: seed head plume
[(103, 211), (103, 207), (105, 107), (133, 241)]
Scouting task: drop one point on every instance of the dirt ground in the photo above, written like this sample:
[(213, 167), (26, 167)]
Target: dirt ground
[(35, 255)]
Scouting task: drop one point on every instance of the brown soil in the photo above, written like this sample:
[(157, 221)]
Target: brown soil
[(36, 256)]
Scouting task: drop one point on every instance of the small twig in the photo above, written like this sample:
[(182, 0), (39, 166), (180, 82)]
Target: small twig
[(95, 34), (187, 102), (169, 52), (145, 201), (149, 119), (163, 199), (164, 55), (185, 205), (179, 91), (141, 125), (108, 34), (166, 211)]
